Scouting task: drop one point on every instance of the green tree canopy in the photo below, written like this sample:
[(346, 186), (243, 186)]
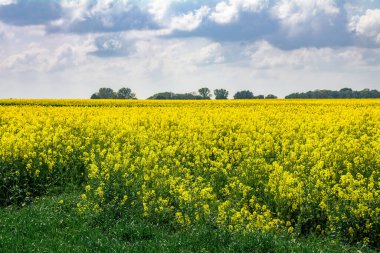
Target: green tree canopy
[(221, 94), (125, 93), (108, 93), (342, 93), (244, 94), (174, 96), (270, 96), (205, 93)]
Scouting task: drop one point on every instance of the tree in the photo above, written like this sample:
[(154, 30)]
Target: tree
[(125, 93), (244, 94), (205, 93), (345, 93), (174, 96), (270, 96), (221, 94), (95, 96), (342, 93), (106, 93)]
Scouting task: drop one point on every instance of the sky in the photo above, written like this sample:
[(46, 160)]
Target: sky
[(71, 48)]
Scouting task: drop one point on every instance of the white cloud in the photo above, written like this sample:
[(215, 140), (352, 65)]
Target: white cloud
[(295, 14), (263, 55), (7, 2), (5, 32), (227, 12), (32, 57), (209, 54), (75, 9), (50, 57), (224, 13), (70, 55), (189, 21), (159, 9), (80, 10), (367, 25)]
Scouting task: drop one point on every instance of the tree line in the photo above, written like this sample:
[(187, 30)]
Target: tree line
[(342, 93), (202, 94), (108, 93), (205, 93)]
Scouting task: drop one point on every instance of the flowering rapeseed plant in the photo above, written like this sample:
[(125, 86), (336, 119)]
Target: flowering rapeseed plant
[(296, 166)]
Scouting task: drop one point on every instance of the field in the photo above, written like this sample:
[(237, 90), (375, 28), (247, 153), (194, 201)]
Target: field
[(293, 167)]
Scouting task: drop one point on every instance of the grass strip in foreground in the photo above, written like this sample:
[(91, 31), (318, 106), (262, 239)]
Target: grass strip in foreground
[(52, 224)]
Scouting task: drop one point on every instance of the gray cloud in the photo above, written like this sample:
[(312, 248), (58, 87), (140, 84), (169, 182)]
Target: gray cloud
[(28, 12), (249, 27), (318, 30), (302, 24), (111, 46), (129, 19)]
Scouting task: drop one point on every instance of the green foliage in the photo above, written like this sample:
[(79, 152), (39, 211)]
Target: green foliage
[(53, 224), (125, 93), (174, 96), (342, 93), (20, 187), (270, 96), (205, 93), (108, 93), (221, 94), (244, 94)]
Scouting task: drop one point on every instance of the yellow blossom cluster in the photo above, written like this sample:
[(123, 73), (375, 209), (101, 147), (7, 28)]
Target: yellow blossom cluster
[(298, 166)]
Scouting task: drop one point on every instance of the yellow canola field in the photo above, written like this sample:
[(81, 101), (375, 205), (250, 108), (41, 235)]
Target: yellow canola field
[(298, 166)]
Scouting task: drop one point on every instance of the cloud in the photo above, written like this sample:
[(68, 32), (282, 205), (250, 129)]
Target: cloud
[(287, 24), (189, 21), (313, 23), (159, 9), (5, 34), (227, 12), (7, 2), (30, 58), (29, 12), (367, 25), (111, 46), (86, 16), (264, 55), (248, 27), (209, 54), (45, 59), (297, 15)]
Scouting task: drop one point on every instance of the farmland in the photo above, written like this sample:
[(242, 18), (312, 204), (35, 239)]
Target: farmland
[(271, 167)]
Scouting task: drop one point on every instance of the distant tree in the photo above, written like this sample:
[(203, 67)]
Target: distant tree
[(221, 94), (342, 93), (205, 93), (95, 96), (259, 97), (244, 94), (345, 93), (174, 96), (187, 96), (270, 96), (125, 93), (163, 95), (106, 93)]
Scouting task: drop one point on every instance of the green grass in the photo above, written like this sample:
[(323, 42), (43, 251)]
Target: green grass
[(46, 226)]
